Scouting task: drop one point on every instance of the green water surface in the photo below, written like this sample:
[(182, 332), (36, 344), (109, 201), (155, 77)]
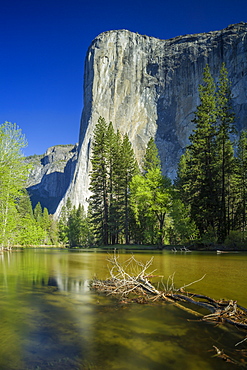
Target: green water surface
[(51, 320)]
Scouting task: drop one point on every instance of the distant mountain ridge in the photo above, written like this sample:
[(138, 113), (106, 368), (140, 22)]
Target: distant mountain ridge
[(148, 88)]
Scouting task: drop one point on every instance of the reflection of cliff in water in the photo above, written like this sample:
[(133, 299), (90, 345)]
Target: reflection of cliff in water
[(62, 283)]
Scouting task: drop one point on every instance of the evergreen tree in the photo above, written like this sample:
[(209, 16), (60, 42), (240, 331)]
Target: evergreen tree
[(38, 213), (128, 170), (206, 169), (63, 229), (198, 167), (151, 157), (113, 165), (24, 204), (241, 184), (116, 214), (46, 224), (225, 127), (99, 185), (54, 231), (78, 228)]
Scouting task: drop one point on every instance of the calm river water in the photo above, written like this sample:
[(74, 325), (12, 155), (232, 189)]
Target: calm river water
[(51, 320)]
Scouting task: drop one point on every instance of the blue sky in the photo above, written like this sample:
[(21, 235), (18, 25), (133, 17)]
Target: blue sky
[(44, 42)]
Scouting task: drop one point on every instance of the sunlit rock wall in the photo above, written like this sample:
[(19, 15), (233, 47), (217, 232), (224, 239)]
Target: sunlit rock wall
[(149, 87)]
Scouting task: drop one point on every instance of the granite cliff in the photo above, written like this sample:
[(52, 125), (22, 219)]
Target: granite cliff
[(51, 175), (149, 87)]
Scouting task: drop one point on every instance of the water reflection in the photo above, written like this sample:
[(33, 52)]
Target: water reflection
[(51, 320)]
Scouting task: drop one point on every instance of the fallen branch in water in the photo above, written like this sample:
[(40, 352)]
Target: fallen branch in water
[(130, 281)]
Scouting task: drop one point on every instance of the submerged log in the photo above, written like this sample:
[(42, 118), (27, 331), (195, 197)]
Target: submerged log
[(131, 280)]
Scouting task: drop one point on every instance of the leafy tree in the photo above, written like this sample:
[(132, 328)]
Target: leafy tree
[(29, 232), (151, 197), (182, 229), (13, 175)]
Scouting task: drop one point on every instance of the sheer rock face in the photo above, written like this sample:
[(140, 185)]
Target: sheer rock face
[(149, 87), (51, 175)]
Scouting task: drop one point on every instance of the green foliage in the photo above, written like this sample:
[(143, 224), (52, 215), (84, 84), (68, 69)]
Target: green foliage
[(151, 199), (205, 171), (29, 232), (239, 193), (99, 201), (224, 149), (38, 213), (236, 239), (151, 158), (19, 224), (13, 175), (73, 227), (183, 229), (113, 165)]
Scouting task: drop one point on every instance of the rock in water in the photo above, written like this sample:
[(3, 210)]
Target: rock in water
[(148, 88)]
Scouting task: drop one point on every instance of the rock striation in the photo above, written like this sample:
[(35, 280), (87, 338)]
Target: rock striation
[(149, 87), (50, 175)]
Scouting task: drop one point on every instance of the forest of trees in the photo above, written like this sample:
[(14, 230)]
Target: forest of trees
[(133, 203)]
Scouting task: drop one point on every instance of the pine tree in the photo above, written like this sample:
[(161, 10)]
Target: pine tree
[(197, 175), (113, 144), (63, 229), (225, 127), (113, 165), (241, 184), (99, 200), (206, 169), (128, 169), (38, 213), (116, 214), (151, 157), (24, 204)]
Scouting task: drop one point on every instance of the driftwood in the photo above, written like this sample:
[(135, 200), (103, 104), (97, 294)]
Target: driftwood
[(130, 282)]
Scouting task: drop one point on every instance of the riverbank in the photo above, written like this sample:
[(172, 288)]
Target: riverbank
[(140, 247)]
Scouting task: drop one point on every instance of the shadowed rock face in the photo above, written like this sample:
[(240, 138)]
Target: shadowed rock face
[(149, 87), (51, 175)]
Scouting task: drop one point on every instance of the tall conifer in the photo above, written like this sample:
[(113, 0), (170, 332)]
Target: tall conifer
[(225, 120), (99, 200), (241, 184)]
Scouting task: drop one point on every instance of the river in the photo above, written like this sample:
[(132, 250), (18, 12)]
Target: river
[(51, 320)]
